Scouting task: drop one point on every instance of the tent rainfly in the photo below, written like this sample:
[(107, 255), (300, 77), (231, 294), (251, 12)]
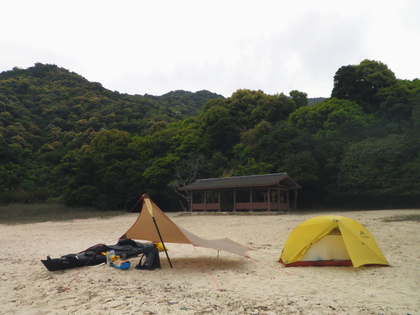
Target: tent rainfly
[(331, 241), (151, 217)]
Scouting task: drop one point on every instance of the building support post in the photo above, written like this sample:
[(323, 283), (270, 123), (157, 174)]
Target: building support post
[(251, 209), (190, 193)]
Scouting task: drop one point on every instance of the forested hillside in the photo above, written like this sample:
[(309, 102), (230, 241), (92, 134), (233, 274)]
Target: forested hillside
[(47, 114), (65, 139)]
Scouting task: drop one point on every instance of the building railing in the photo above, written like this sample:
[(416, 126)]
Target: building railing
[(241, 206)]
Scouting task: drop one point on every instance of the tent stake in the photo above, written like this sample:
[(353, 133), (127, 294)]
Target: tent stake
[(161, 240)]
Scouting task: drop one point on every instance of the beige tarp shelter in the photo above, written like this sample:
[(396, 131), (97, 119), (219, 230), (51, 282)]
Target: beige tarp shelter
[(145, 229)]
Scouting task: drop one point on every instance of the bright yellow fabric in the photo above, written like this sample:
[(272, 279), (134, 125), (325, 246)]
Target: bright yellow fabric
[(360, 244), (160, 247)]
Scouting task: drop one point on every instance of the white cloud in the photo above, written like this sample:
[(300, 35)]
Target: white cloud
[(153, 47)]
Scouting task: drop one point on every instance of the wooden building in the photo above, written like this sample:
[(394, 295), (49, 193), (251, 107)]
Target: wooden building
[(267, 193)]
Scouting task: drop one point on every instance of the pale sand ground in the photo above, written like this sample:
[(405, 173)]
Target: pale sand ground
[(202, 283)]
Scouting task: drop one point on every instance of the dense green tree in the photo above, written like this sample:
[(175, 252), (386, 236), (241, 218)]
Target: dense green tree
[(302, 167), (398, 114), (252, 167), (274, 108), (414, 131), (241, 153), (219, 127), (249, 108), (107, 141), (252, 139), (364, 84), (283, 140), (394, 115), (332, 126), (331, 119), (161, 171), (300, 98), (376, 167), (108, 166)]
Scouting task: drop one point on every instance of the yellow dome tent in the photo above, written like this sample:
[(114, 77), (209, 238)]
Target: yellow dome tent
[(331, 240)]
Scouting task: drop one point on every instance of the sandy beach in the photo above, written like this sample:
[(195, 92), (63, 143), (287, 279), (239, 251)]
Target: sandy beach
[(203, 282)]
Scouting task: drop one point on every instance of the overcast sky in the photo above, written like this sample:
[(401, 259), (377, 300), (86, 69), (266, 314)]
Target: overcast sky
[(154, 47)]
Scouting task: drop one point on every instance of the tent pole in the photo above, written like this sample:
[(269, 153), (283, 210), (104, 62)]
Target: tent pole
[(161, 240)]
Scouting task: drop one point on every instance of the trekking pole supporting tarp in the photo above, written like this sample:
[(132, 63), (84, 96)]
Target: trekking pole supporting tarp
[(161, 240)]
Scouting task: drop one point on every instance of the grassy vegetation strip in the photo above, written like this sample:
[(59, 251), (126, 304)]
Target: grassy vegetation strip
[(401, 218), (32, 213)]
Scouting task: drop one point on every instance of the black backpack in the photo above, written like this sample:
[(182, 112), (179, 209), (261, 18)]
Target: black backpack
[(152, 259)]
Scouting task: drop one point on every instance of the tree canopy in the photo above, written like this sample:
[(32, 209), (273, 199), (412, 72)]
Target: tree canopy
[(65, 139)]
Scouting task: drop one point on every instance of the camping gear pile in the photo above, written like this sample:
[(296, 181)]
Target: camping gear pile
[(95, 255), (150, 254)]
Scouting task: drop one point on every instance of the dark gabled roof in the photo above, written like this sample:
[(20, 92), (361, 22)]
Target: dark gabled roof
[(242, 181)]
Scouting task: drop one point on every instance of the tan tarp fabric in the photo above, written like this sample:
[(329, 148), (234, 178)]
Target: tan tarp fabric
[(145, 229)]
